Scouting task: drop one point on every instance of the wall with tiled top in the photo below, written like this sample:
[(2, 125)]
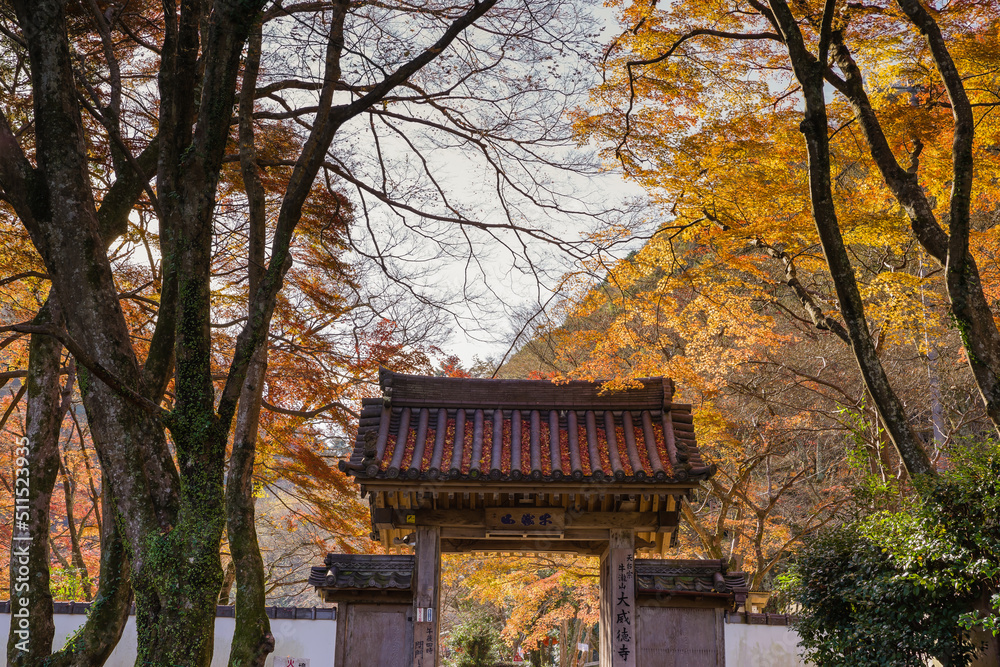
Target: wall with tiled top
[(300, 633)]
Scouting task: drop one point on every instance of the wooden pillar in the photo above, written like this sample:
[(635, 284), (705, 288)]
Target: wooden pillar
[(618, 611), (426, 598)]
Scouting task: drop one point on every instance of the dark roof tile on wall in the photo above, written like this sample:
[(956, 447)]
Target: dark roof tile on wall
[(443, 429), (674, 577), (363, 572)]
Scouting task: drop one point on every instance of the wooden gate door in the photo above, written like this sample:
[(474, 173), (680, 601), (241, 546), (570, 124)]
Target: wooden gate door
[(680, 637), (375, 634)]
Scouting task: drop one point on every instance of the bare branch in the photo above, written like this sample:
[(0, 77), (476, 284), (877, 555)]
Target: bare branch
[(13, 404), (309, 414)]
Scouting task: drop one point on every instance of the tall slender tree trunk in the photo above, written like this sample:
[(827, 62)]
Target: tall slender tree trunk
[(574, 646), (76, 553), (252, 639), (228, 579), (36, 467), (809, 71), (970, 309), (47, 405)]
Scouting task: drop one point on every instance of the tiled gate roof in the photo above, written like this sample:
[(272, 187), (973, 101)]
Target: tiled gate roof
[(444, 429), (688, 576), (363, 572)]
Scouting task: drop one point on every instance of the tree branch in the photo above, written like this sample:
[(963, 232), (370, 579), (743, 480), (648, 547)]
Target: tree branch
[(819, 318), (904, 185), (17, 175), (91, 364), (669, 52), (22, 276), (13, 404), (328, 121), (308, 414), (826, 28)]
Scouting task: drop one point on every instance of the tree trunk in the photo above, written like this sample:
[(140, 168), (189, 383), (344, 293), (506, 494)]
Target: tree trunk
[(809, 71), (970, 308), (228, 579), (109, 612), (575, 654), (37, 464), (76, 554), (563, 644), (252, 639), (173, 512), (172, 529)]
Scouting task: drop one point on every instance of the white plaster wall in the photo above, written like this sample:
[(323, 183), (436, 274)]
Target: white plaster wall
[(293, 638), (746, 645), (762, 646)]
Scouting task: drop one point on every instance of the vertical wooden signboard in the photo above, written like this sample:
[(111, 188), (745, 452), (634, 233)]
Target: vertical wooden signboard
[(618, 613), (425, 599)]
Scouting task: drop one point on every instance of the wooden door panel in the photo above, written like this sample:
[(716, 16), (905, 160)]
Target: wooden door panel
[(378, 635), (678, 637)]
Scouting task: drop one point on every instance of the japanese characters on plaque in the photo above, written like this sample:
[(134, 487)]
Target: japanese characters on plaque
[(624, 611), (424, 641), (545, 520)]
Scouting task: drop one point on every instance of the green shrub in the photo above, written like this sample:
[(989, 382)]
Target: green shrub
[(899, 588), (860, 609)]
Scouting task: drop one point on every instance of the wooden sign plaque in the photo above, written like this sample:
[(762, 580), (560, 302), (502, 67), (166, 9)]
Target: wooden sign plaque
[(525, 520)]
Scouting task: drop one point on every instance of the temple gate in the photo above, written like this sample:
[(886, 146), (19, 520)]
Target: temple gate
[(459, 465)]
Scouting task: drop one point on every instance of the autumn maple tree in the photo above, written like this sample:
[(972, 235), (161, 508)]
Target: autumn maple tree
[(798, 365), (859, 200)]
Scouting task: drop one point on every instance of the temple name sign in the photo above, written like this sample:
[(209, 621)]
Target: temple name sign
[(525, 521)]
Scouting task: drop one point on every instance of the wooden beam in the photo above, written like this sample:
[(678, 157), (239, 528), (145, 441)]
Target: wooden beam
[(571, 534), (388, 596), (639, 521), (534, 545), (426, 598), (382, 517), (529, 487), (668, 521), (411, 518), (617, 606)]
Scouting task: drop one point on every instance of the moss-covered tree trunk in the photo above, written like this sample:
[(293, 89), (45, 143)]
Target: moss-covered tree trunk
[(170, 500), (172, 521)]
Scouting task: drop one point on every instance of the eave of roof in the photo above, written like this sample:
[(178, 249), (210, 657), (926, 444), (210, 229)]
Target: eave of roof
[(687, 577), (363, 572), (447, 431)]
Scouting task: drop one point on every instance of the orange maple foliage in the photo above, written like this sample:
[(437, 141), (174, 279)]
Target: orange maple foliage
[(730, 293)]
